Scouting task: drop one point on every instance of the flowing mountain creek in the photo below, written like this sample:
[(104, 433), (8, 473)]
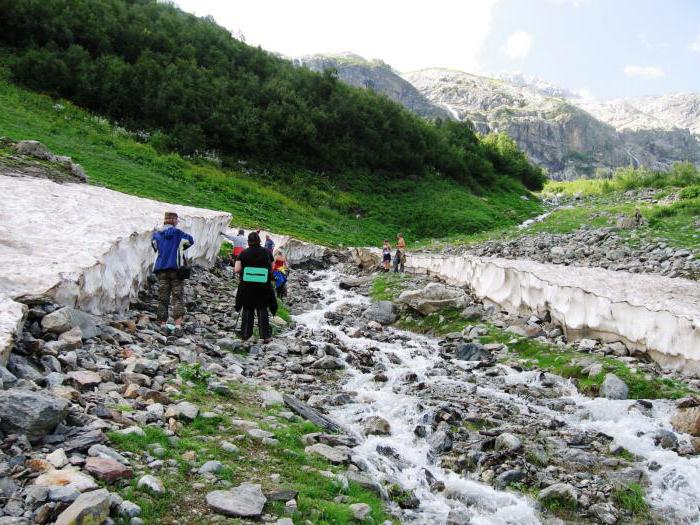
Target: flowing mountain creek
[(384, 398)]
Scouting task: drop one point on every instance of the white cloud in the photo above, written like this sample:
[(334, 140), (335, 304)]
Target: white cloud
[(695, 46), (518, 45), (644, 71), (405, 34)]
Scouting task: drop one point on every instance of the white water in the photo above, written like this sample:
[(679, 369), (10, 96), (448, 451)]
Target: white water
[(673, 490)]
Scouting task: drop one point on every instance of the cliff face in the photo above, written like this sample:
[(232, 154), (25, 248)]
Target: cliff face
[(568, 135), (558, 132), (377, 76)]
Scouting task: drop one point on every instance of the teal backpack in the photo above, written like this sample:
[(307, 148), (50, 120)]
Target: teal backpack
[(252, 274)]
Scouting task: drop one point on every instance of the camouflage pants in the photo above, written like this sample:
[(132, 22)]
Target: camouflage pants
[(170, 285)]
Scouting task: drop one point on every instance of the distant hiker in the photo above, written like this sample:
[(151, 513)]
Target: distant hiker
[(239, 244), (269, 244), (386, 255), (280, 273), (255, 294), (400, 255), (171, 268)]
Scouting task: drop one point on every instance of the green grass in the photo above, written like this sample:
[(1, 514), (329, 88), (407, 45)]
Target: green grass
[(631, 498), (388, 286), (351, 209), (534, 354), (254, 462)]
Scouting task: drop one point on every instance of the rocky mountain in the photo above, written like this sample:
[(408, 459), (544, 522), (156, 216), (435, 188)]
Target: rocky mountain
[(569, 135), (375, 75), (558, 129)]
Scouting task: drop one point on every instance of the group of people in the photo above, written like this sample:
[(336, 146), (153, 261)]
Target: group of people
[(262, 270), (399, 256)]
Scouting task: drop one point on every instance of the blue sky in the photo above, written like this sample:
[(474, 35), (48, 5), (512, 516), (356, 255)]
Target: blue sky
[(607, 48), (588, 44)]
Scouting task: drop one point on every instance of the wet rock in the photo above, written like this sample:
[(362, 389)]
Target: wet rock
[(665, 439), (604, 513), (245, 501), (32, 413), (687, 420), (90, 508), (613, 388), (507, 442), (472, 352), (440, 441), (376, 426), (364, 481), (509, 476), (328, 363), (559, 492), (348, 283), (383, 312)]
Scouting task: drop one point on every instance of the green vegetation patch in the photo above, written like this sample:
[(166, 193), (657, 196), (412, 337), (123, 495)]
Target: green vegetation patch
[(253, 462), (631, 498), (353, 209), (534, 354)]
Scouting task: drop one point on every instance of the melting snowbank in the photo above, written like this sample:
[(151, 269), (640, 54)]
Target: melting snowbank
[(84, 246), (648, 312)]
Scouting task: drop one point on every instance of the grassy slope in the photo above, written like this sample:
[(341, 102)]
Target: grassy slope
[(295, 203)]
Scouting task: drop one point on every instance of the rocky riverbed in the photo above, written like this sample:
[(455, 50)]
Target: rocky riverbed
[(107, 416)]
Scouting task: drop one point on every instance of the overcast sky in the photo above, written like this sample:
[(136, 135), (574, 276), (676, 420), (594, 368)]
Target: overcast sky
[(604, 48)]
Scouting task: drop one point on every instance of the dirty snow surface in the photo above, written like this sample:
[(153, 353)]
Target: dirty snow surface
[(83, 246)]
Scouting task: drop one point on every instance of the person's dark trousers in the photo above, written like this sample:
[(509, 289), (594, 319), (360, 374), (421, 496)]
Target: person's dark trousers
[(248, 321)]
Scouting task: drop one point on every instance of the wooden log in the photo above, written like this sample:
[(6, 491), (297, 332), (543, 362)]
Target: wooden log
[(310, 414)]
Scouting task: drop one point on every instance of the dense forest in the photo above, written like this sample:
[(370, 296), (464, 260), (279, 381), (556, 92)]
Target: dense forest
[(185, 80)]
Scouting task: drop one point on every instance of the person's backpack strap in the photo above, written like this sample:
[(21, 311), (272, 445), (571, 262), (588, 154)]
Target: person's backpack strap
[(251, 274)]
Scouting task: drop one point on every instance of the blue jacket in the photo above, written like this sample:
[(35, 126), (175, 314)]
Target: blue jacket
[(170, 244)]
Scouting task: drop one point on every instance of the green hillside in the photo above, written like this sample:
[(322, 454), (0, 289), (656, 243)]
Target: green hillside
[(292, 201), (192, 87)]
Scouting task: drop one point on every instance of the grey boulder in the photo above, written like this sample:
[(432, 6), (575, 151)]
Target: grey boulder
[(32, 413), (613, 387), (384, 312), (245, 501)]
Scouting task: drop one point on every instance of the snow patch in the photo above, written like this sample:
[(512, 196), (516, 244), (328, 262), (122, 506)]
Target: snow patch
[(84, 246), (652, 313)]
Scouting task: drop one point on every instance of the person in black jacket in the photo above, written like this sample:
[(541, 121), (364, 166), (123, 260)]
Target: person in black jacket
[(251, 296)]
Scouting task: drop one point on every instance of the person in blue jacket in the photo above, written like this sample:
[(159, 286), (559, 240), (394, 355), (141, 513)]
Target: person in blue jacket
[(171, 269)]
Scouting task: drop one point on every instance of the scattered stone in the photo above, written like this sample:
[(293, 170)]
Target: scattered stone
[(91, 508), (32, 413), (508, 442), (107, 469), (687, 420), (472, 352), (360, 511), (332, 454), (213, 467), (559, 491), (151, 483), (58, 458), (67, 477), (245, 501), (383, 312), (377, 426), (613, 387)]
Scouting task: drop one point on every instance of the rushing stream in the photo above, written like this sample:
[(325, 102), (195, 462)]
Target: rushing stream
[(674, 479)]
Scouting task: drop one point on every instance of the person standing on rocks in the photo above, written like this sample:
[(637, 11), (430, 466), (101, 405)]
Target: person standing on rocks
[(239, 244), (269, 244), (386, 255), (255, 294), (400, 256), (171, 268)]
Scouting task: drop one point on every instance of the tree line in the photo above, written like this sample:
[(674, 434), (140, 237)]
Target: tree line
[(148, 65)]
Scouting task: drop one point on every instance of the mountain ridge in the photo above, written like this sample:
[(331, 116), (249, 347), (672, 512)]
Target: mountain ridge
[(569, 135)]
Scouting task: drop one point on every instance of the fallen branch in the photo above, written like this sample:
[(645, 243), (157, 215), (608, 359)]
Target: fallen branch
[(311, 414)]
